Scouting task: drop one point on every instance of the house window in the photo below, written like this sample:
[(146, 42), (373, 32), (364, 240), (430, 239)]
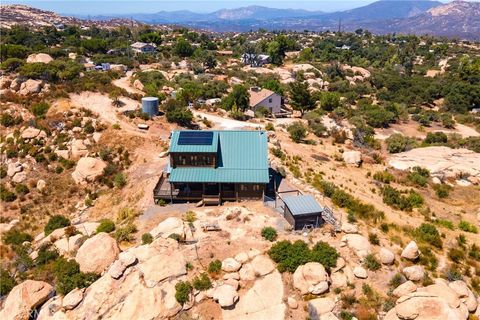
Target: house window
[(270, 100)]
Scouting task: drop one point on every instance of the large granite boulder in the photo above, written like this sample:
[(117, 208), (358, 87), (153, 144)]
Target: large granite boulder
[(231, 265), (414, 273), (352, 158), (167, 227), (411, 252), (262, 265), (264, 300), (31, 86), (310, 277), (405, 288), (39, 58), (317, 308), (88, 169), (97, 253), (225, 295), (386, 256), (23, 298), (358, 243), (423, 306)]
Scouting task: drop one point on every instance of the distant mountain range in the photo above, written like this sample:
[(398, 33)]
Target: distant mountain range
[(380, 10), (455, 19)]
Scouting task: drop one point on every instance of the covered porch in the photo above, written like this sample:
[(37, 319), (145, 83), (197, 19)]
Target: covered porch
[(210, 192)]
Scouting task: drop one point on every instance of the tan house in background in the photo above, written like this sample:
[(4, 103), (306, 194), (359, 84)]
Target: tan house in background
[(265, 98)]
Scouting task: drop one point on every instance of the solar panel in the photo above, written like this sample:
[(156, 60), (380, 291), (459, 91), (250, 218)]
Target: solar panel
[(195, 138)]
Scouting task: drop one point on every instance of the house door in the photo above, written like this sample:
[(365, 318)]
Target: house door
[(211, 189)]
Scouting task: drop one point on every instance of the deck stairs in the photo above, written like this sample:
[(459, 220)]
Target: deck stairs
[(327, 215)]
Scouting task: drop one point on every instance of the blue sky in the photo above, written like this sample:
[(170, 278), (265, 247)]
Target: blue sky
[(105, 7)]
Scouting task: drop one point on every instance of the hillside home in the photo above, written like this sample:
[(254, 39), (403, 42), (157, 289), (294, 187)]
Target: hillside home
[(265, 98), (142, 47), (255, 60), (215, 166)]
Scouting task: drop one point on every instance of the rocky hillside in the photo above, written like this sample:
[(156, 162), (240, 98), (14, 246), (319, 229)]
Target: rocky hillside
[(33, 17), (183, 269), (20, 14)]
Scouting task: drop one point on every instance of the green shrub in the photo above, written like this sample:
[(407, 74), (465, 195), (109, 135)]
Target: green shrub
[(398, 143), (269, 127), (69, 277), (445, 223), (373, 239), (119, 180), (297, 131), (348, 300), (345, 315), (383, 176), (45, 255), (7, 120), (428, 258), (183, 290), (6, 195), (16, 237), (474, 252), (202, 282), (345, 200), (21, 189), (436, 138), (457, 255), (39, 110), (428, 233), (7, 282), (56, 222), (396, 280), (289, 256), (442, 190), (277, 152), (3, 172), (419, 176), (269, 233), (396, 199), (106, 225), (147, 238), (215, 266), (371, 263), (125, 233), (467, 227), (176, 237)]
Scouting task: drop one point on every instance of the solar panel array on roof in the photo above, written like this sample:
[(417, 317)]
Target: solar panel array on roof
[(195, 138)]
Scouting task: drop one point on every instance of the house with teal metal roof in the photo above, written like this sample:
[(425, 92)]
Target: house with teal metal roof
[(215, 166)]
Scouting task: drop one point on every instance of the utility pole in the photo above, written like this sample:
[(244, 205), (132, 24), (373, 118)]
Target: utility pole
[(339, 25)]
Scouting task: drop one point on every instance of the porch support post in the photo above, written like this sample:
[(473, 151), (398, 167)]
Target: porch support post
[(275, 188)]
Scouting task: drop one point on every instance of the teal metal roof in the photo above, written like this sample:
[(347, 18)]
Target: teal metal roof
[(302, 204), (218, 175), (242, 157)]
